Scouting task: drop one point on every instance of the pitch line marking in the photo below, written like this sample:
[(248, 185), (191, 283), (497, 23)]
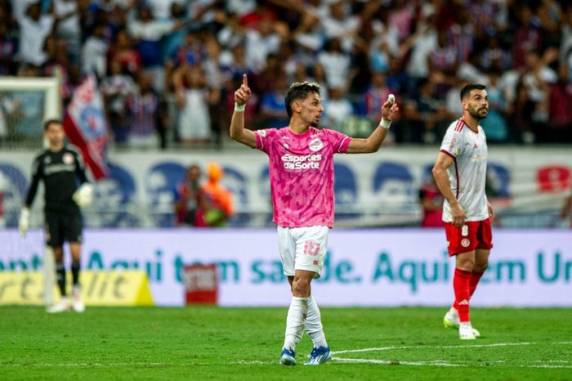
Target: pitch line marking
[(440, 363), (87, 365), (437, 363), (389, 348)]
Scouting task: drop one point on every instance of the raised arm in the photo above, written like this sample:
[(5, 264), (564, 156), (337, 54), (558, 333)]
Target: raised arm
[(374, 140), (443, 162), (237, 130)]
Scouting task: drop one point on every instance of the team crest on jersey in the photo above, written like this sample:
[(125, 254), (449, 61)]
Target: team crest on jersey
[(47, 160), (315, 145), (261, 133), (68, 158), (465, 242)]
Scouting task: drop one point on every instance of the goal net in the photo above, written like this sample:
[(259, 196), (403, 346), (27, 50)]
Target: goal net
[(25, 103)]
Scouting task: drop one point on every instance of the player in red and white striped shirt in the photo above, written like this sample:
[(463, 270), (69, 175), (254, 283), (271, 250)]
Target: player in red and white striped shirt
[(460, 174)]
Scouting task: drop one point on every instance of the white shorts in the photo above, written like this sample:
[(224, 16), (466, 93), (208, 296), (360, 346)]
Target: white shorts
[(303, 248)]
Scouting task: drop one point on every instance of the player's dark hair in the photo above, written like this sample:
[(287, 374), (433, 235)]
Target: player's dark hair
[(49, 122), (299, 90), (466, 90)]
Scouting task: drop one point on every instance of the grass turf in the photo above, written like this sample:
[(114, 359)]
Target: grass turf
[(244, 344)]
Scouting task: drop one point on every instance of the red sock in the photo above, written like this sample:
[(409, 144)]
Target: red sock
[(462, 287), (475, 278)]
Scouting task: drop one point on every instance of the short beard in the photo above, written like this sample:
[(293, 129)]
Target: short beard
[(475, 114)]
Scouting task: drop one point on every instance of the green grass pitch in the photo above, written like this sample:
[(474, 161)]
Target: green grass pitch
[(244, 344)]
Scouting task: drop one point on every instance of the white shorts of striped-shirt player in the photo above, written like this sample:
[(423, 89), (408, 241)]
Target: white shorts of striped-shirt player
[(303, 248)]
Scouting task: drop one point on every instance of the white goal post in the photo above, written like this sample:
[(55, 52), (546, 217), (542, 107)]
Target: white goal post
[(25, 103), (49, 85)]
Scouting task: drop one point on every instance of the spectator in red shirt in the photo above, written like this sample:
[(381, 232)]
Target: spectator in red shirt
[(560, 108), (431, 203), (190, 208)]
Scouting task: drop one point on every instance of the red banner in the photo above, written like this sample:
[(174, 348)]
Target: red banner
[(86, 127)]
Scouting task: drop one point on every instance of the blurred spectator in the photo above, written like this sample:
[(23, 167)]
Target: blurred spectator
[(336, 64), (527, 37), (272, 105), (559, 129), (425, 50), (537, 78), (191, 50), (494, 124), (260, 42), (318, 75), (241, 7), (566, 41), (8, 49), (380, 56), (494, 56), (218, 200), (161, 9), (444, 57), (147, 33), (190, 203), (401, 17), (123, 52), (340, 24), (94, 52), (143, 111), (69, 28), (522, 110), (421, 44), (426, 116), (232, 34), (338, 107), (116, 88), (215, 83), (452, 100), (431, 202), (34, 28), (469, 71), (194, 124), (376, 97), (263, 82)]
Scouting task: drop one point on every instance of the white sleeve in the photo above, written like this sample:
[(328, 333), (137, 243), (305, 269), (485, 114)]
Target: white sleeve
[(452, 144)]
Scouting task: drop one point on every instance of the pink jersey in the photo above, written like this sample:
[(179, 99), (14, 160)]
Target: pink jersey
[(302, 174)]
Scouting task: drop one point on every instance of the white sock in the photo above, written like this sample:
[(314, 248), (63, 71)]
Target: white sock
[(313, 324), (295, 322)]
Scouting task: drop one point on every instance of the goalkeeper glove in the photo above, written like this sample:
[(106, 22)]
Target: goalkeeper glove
[(24, 223)]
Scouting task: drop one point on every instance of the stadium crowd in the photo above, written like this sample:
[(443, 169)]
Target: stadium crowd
[(168, 68)]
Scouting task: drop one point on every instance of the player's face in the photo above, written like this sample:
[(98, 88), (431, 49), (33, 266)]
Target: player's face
[(477, 104), (55, 135), (312, 109)]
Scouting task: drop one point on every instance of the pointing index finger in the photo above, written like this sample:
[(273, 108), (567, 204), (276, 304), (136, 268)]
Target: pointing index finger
[(245, 80)]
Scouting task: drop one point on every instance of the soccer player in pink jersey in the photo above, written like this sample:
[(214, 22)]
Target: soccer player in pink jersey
[(460, 173), (302, 187)]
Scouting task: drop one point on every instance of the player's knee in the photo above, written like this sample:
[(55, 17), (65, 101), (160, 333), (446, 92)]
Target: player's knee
[(58, 254), (480, 267), (300, 287), (466, 264)]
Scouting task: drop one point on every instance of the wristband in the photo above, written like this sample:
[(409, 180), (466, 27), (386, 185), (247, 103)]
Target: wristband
[(385, 123), (239, 108)]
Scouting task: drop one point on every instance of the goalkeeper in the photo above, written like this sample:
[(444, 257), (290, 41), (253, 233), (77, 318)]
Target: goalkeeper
[(66, 189)]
